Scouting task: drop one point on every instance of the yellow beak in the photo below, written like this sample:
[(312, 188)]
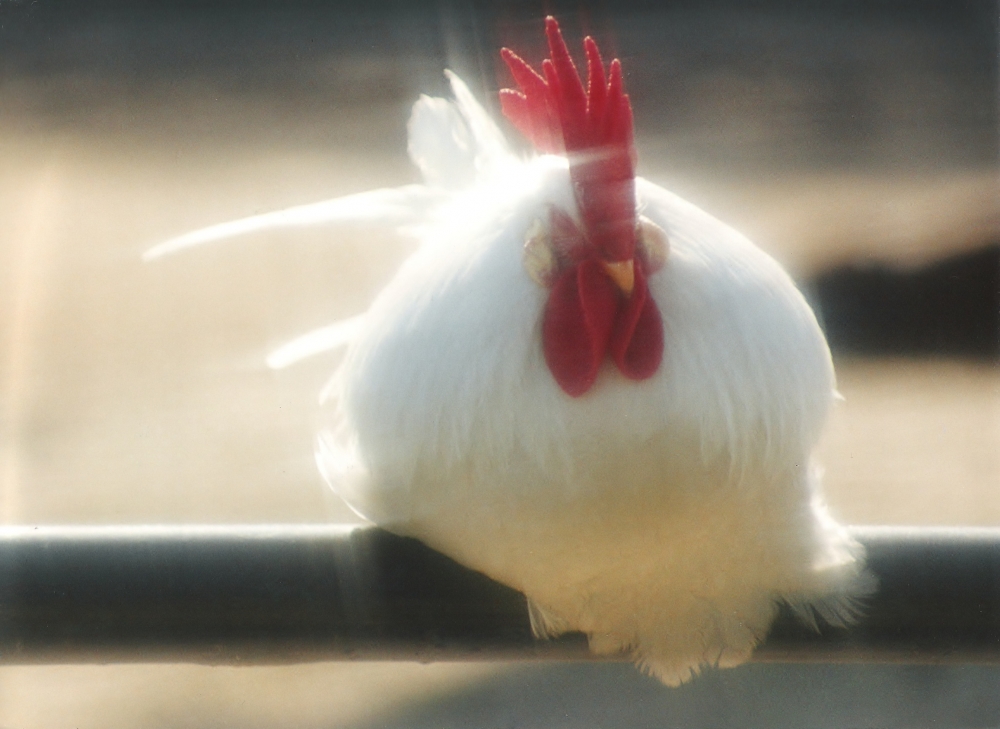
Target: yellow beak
[(622, 273)]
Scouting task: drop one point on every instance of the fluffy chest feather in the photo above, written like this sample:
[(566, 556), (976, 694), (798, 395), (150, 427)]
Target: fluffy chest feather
[(449, 369)]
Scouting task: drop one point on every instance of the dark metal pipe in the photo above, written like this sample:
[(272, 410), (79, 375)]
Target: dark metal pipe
[(281, 594)]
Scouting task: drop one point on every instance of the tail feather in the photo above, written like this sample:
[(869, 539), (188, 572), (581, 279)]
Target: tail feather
[(318, 341), (397, 206)]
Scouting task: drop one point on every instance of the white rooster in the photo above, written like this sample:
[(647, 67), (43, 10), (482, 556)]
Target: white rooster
[(582, 385)]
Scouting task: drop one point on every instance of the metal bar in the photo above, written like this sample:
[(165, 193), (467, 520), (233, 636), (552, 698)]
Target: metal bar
[(281, 594)]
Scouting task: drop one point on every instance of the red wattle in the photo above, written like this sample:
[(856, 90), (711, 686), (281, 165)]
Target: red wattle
[(586, 318), (637, 340), (577, 325)]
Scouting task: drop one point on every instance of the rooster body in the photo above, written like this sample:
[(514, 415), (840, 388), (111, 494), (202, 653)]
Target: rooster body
[(665, 515)]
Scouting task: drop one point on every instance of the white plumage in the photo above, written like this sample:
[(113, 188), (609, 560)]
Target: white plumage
[(667, 517)]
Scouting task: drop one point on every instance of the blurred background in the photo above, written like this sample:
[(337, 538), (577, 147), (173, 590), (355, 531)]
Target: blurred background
[(857, 142)]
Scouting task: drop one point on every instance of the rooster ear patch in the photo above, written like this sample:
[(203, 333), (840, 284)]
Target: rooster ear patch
[(539, 255), (654, 245)]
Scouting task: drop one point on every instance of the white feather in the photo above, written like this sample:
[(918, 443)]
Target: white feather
[(440, 144), (318, 341), (453, 143), (399, 206)]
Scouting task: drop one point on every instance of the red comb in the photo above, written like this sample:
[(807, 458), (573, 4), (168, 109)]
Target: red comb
[(593, 127)]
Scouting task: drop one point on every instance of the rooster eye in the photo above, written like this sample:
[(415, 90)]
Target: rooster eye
[(539, 256), (654, 242)]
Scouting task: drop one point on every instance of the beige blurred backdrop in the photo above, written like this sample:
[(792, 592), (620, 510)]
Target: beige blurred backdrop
[(137, 393)]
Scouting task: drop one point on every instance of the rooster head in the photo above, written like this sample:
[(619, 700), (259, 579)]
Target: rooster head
[(599, 302)]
